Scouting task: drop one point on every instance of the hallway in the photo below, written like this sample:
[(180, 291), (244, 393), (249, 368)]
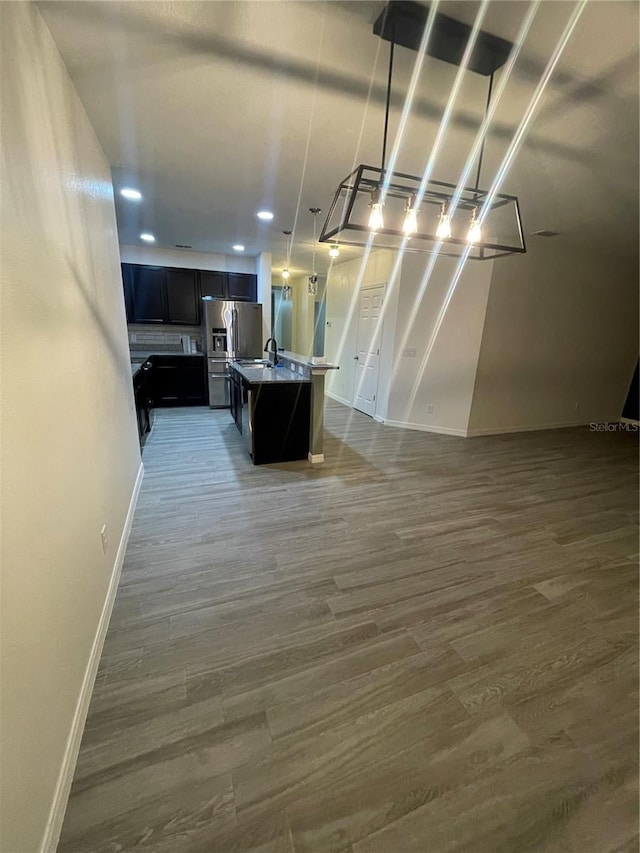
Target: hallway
[(426, 644)]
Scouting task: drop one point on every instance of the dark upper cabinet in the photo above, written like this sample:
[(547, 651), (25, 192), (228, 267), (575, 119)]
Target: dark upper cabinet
[(171, 295), (229, 285), (127, 283), (183, 299), (149, 294), (213, 284), (242, 286)]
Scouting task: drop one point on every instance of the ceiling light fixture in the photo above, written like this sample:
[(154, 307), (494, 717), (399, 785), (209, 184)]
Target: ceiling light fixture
[(334, 251), (475, 229), (238, 247), (147, 237), (356, 214), (443, 231), (410, 224), (265, 215), (313, 278), (131, 194), (376, 219)]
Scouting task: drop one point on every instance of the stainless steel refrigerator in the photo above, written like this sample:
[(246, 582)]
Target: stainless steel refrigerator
[(232, 332)]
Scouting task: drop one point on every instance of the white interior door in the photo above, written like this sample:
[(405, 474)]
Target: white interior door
[(368, 349)]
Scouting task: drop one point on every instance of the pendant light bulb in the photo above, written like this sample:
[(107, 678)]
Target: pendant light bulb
[(285, 274), (376, 219), (443, 231), (334, 251), (410, 224), (475, 229)]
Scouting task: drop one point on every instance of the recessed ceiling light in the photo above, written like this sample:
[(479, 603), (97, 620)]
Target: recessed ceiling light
[(238, 247), (265, 214), (131, 194), (148, 238)]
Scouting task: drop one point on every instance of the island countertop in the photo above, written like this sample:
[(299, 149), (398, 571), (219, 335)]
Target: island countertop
[(268, 375)]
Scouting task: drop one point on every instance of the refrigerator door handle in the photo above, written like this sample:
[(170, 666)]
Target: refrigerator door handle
[(234, 321)]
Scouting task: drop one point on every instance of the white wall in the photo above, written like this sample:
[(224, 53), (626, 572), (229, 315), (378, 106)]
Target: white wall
[(344, 282), (560, 341), (304, 313), (263, 270), (187, 259), (69, 441), (440, 317)]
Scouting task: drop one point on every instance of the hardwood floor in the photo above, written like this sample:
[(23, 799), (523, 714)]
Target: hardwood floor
[(428, 644)]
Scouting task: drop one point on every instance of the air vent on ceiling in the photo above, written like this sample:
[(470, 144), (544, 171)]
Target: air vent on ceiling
[(545, 233), (182, 246)]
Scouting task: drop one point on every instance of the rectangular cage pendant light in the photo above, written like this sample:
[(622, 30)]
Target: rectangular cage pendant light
[(382, 208), (348, 220)]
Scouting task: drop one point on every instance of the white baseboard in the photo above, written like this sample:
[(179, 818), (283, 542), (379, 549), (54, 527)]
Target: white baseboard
[(315, 458), (63, 786), (337, 398), (422, 427), (528, 428)]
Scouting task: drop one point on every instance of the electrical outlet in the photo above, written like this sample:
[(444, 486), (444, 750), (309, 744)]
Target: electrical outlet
[(430, 409), (104, 538), (409, 352)]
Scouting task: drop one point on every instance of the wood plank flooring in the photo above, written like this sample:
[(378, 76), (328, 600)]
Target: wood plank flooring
[(428, 644)]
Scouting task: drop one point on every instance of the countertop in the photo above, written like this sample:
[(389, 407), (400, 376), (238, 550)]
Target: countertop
[(268, 375)]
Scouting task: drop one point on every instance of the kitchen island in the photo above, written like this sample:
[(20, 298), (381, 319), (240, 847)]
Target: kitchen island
[(305, 406), (271, 407)]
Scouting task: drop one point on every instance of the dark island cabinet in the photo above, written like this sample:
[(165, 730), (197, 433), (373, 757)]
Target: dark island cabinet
[(172, 295), (183, 298)]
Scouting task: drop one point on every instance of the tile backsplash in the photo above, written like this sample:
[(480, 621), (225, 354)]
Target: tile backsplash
[(146, 338)]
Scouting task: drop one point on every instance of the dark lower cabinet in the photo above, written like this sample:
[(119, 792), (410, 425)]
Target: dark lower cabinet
[(179, 380), (235, 395), (274, 418), (143, 403), (280, 418)]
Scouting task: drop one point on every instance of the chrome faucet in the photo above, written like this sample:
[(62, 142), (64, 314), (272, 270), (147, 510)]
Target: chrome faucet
[(273, 351)]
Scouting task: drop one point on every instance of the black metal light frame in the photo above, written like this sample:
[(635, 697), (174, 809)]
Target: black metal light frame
[(402, 22), (365, 179)]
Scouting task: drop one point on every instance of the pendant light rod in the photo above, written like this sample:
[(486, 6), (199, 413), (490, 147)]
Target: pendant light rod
[(315, 211), (388, 103), (484, 138)]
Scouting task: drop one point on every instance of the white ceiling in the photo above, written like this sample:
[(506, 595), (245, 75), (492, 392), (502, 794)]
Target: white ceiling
[(217, 109)]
